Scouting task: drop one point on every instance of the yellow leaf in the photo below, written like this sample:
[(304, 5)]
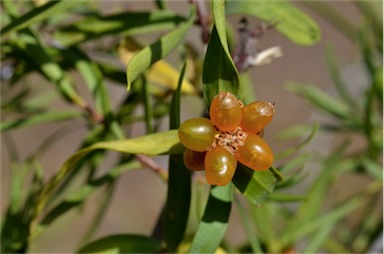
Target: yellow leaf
[(164, 74)]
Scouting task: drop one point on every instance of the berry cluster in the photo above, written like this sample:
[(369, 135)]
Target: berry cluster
[(234, 133)]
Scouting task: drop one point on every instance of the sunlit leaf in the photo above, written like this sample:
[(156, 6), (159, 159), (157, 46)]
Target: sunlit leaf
[(290, 21), (255, 185), (214, 223)]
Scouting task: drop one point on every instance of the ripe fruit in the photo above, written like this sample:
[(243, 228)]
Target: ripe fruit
[(225, 111), (194, 160), (220, 166), (255, 153), (197, 134), (256, 116), (234, 133)]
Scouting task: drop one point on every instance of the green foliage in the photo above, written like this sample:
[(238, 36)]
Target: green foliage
[(58, 55), (178, 201), (219, 71)]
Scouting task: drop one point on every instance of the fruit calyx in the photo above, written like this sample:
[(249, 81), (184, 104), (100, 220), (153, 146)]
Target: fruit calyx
[(230, 140)]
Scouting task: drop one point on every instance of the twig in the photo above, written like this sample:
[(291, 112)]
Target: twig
[(152, 165)]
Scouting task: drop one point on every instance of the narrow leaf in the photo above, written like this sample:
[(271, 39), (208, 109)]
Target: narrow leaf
[(214, 223), (219, 71), (174, 114), (158, 50), (179, 184), (290, 21), (178, 202), (122, 244)]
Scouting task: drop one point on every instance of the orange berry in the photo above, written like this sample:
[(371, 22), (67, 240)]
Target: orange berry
[(225, 111), (194, 160), (197, 134), (256, 116), (220, 166), (255, 153)]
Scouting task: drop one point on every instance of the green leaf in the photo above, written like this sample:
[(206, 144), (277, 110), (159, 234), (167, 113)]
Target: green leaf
[(147, 144), (174, 114), (290, 21), (255, 185), (158, 50), (44, 117), (51, 8), (122, 244), (127, 23), (219, 71), (179, 184), (178, 202), (214, 223)]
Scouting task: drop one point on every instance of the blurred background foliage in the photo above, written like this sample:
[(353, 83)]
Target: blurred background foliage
[(65, 104)]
